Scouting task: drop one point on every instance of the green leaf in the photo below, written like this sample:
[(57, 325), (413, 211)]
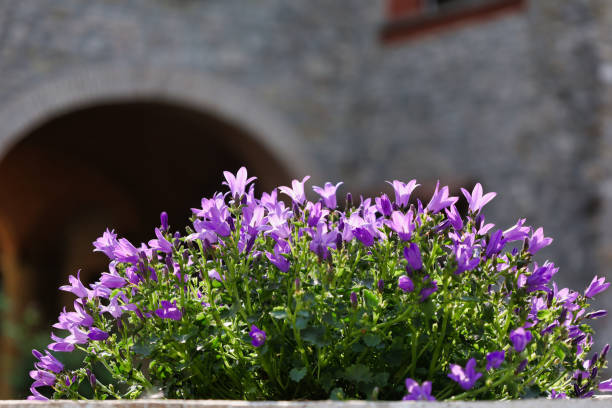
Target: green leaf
[(358, 373), (381, 379), (371, 299), (371, 340), (279, 312), (314, 335), (337, 394), (143, 349), (297, 374), (301, 323)]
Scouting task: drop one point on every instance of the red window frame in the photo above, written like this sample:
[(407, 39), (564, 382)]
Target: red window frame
[(406, 20)]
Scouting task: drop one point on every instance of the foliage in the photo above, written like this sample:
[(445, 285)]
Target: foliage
[(384, 300)]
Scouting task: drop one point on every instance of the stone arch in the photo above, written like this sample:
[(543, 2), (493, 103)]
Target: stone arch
[(97, 85), (93, 93)]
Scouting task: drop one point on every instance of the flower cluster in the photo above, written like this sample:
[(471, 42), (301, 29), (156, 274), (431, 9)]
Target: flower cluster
[(269, 299)]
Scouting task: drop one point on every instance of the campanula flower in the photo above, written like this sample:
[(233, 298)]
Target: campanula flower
[(403, 191), (258, 337), (413, 256), (97, 334), (296, 192), (383, 205), (47, 362), (161, 243), (495, 359), (402, 224), (277, 258), (328, 194), (76, 286), (428, 291), (596, 286), (538, 241), (476, 200), (169, 311), (605, 386), (517, 232), (520, 337), (466, 378), (557, 395), (322, 240), (454, 218), (106, 243), (418, 393), (405, 283), (238, 183), (440, 199)]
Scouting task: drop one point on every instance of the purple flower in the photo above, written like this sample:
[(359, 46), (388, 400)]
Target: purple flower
[(47, 362), (597, 314), (161, 243), (328, 194), (405, 283), (496, 244), (322, 240), (413, 256), (454, 217), (97, 334), (476, 200), (466, 378), (364, 236), (517, 232), (297, 191), (520, 337), (238, 183), (213, 274), (402, 224), (353, 298), (557, 395), (428, 290), (163, 218), (112, 280), (76, 286), (440, 199), (43, 377), (258, 337), (383, 205), (403, 191), (596, 286), (277, 258), (418, 393), (605, 386), (495, 359), (538, 241), (169, 311), (125, 252), (36, 396), (106, 243), (540, 277)]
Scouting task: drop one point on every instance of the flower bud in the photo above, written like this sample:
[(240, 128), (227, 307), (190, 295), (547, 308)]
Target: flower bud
[(353, 299), (381, 285), (349, 200), (164, 220)]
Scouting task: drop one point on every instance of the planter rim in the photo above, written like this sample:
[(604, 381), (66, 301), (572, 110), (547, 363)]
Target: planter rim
[(598, 401)]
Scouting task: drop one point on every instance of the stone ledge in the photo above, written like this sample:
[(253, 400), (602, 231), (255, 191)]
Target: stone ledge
[(598, 402)]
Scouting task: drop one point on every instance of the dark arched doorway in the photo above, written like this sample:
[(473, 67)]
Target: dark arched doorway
[(113, 165)]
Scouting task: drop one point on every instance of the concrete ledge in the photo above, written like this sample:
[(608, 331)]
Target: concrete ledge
[(598, 402)]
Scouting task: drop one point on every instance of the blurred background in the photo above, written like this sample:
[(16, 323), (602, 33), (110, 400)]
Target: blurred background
[(112, 111)]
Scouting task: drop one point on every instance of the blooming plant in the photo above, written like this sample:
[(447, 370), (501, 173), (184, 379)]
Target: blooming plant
[(384, 299)]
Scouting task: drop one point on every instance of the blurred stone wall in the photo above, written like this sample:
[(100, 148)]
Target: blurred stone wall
[(519, 102)]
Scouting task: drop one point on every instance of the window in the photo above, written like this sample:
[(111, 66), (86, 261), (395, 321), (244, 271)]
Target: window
[(410, 18)]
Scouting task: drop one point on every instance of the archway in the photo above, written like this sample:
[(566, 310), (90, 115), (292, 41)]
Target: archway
[(115, 165)]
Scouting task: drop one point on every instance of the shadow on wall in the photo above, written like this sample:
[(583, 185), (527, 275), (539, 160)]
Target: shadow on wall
[(113, 165)]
